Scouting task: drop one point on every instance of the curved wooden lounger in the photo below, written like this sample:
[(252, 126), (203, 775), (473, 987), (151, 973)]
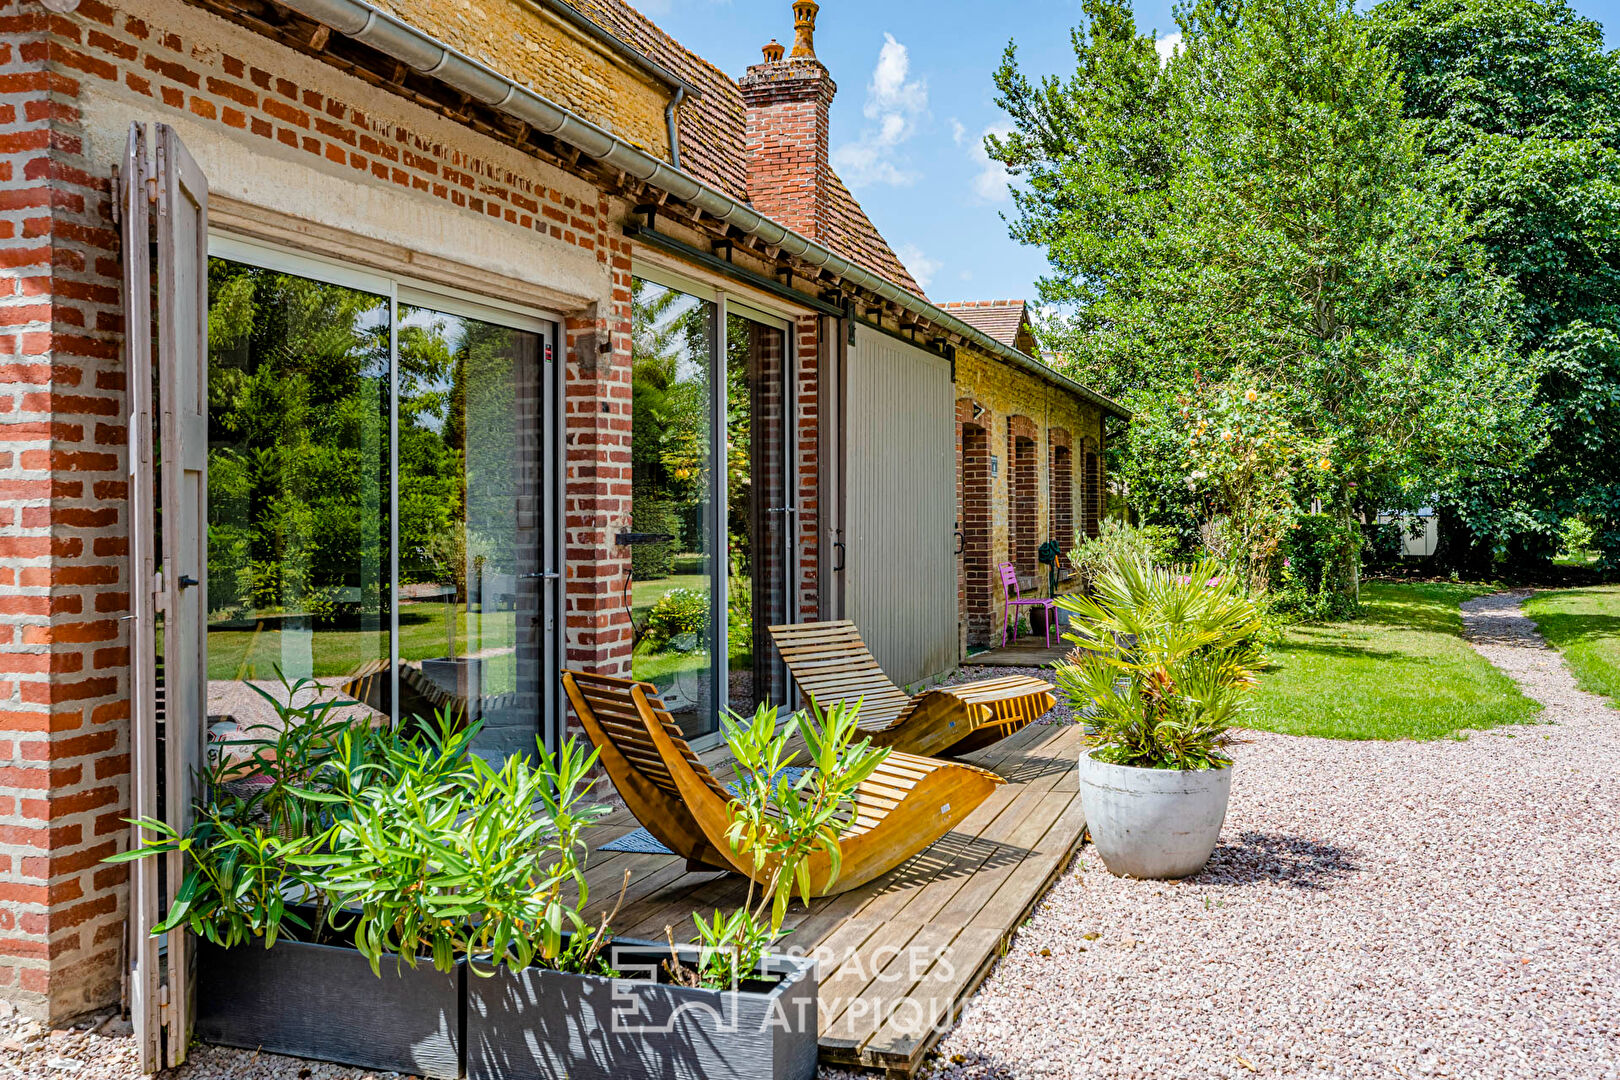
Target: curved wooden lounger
[(907, 804), (831, 663)]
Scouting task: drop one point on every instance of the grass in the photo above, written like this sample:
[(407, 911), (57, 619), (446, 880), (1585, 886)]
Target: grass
[(1402, 671), (255, 654), (1584, 625)]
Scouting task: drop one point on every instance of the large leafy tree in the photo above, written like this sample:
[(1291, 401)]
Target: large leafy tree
[(1519, 104), (1253, 210)]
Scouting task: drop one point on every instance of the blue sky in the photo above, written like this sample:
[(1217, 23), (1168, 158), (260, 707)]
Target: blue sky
[(914, 101)]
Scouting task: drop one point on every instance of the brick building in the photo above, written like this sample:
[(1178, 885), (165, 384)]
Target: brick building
[(417, 350)]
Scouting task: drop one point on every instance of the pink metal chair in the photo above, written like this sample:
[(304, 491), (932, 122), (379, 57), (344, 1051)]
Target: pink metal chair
[(1014, 597)]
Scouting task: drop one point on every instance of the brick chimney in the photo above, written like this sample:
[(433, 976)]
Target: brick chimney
[(789, 103)]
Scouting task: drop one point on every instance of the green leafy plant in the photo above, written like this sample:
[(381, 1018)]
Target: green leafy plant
[(780, 823), (242, 882), (441, 854), (1115, 540), (406, 843), (677, 613), (1166, 658), (267, 766)]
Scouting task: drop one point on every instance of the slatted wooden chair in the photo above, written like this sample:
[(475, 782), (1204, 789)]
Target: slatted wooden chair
[(831, 663), (907, 804)]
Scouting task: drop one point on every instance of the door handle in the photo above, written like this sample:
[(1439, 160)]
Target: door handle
[(544, 575), (961, 542), (838, 567)]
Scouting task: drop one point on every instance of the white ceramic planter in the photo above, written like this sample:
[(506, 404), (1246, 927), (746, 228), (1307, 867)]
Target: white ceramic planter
[(1153, 823)]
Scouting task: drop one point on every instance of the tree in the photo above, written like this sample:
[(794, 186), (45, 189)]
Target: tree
[(1254, 204), (1520, 107)]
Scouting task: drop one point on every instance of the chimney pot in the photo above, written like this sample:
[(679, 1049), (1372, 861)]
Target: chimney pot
[(773, 52), (804, 28)]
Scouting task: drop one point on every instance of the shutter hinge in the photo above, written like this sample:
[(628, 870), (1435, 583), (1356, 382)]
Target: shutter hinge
[(151, 190), (159, 593), (163, 1004)]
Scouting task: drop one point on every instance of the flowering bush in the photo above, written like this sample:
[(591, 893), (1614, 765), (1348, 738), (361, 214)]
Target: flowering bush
[(1250, 469)]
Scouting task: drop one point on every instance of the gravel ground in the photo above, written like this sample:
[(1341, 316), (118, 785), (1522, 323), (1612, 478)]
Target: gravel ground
[(1375, 910)]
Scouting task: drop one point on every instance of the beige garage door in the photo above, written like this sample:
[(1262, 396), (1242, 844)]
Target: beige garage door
[(900, 505)]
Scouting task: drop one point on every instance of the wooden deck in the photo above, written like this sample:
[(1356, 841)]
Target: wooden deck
[(1028, 651), (900, 955)]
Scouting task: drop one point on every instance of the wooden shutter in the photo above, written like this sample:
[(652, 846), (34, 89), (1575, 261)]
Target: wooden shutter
[(146, 984), (901, 506), (168, 557)]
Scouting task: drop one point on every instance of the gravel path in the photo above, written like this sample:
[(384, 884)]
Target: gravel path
[(1375, 910)]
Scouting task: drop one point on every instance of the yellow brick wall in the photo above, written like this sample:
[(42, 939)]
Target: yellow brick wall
[(1004, 392), (556, 60)]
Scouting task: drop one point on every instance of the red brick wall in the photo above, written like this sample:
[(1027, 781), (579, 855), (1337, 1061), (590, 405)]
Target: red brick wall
[(977, 581), (1024, 494), (63, 687), (789, 106), (1061, 487)]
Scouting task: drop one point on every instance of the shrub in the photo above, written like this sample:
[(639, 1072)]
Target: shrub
[(1118, 540), (651, 515), (1167, 658), (677, 614), (422, 849), (780, 823), (1312, 585), (1382, 544)]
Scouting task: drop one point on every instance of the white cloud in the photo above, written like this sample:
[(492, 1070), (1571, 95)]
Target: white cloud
[(1168, 45), (921, 266), (958, 131), (992, 182), (894, 104)]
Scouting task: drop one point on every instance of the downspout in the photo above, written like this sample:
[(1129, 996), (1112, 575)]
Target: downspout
[(674, 128)]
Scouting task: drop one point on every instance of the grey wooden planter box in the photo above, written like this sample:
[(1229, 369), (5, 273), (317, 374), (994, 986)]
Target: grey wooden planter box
[(323, 1002), (544, 1024)]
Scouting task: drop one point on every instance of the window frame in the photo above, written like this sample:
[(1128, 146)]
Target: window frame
[(404, 289), (729, 299)]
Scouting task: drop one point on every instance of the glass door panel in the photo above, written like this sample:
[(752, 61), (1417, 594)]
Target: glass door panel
[(298, 509), (759, 513), (471, 515), (672, 590)]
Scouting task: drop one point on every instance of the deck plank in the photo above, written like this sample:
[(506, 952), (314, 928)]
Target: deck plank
[(900, 955)]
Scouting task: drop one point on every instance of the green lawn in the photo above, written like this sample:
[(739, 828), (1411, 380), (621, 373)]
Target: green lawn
[(1584, 625), (1403, 671), (255, 654)]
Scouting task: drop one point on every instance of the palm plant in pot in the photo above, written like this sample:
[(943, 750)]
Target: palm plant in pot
[(1164, 662)]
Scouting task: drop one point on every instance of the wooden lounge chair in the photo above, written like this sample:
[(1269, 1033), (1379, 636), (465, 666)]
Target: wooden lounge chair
[(907, 804), (831, 663)]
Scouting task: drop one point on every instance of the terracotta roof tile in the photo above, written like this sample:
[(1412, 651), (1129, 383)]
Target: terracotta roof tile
[(713, 147), (1001, 319)]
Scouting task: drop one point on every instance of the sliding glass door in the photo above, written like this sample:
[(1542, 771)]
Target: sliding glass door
[(382, 507), (710, 445), (672, 591), (759, 511)]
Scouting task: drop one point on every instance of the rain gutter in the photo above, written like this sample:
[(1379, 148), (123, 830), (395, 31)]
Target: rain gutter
[(423, 53)]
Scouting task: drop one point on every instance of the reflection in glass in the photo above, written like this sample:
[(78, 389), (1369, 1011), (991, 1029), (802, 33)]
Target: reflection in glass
[(672, 474), (298, 387), (469, 525), (757, 511)]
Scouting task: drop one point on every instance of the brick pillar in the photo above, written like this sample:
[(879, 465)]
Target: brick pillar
[(1023, 494), (977, 580), (1062, 488), (63, 659), (598, 483), (789, 103)]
